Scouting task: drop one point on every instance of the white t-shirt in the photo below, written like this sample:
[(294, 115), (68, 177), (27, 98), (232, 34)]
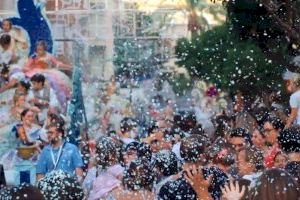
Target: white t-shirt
[(53, 98), (18, 76), (5, 56), (295, 103), (176, 150)]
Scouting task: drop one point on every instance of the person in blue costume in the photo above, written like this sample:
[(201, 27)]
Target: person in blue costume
[(33, 22)]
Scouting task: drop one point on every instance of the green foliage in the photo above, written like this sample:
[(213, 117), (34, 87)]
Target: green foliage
[(232, 64), (180, 84), (273, 25)]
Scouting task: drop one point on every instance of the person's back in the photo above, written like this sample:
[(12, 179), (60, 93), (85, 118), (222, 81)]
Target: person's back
[(137, 183), (192, 151), (21, 192), (178, 189), (61, 186), (276, 184)]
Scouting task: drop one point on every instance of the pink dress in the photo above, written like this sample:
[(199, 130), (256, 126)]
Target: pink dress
[(106, 182), (59, 81)]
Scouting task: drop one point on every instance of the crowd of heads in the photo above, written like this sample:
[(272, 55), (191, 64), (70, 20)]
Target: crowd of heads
[(259, 160), (159, 155)]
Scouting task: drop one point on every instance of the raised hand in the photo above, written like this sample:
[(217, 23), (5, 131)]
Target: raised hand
[(196, 179), (232, 192)]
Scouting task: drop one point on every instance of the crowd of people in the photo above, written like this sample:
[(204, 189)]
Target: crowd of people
[(160, 152), (32, 89)]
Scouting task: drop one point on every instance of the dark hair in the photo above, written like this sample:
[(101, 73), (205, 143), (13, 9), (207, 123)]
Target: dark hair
[(56, 119), (138, 176), (276, 123), (126, 148), (178, 119), (5, 39), (39, 78), (289, 139), (60, 185), (152, 127), (222, 124), (131, 146), (127, 124), (144, 152), (238, 132), (184, 120), (241, 132), (5, 69), (167, 162), (192, 147), (106, 152), (58, 122), (24, 112), (25, 84), (23, 192), (198, 130), (276, 184), (261, 114), (42, 43), (2, 177), (190, 122)]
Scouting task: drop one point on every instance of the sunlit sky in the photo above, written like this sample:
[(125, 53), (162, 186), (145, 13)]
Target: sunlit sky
[(153, 5)]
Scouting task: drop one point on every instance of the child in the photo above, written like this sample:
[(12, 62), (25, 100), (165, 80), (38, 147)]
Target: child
[(280, 160)]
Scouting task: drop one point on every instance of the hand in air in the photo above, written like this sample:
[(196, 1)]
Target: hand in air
[(232, 192), (196, 178)]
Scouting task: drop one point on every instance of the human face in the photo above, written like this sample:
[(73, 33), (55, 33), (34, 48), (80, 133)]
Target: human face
[(280, 161), (237, 142), (155, 145), (244, 167), (40, 51), (6, 26), (5, 76), (53, 135), (37, 85), (257, 139), (21, 88), (21, 101), (129, 156), (156, 141), (271, 133), (28, 118)]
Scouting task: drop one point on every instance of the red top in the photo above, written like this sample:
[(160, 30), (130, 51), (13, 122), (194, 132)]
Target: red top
[(270, 157)]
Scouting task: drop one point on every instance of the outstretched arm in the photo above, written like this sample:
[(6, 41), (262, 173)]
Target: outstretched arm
[(11, 84), (28, 65), (60, 64)]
